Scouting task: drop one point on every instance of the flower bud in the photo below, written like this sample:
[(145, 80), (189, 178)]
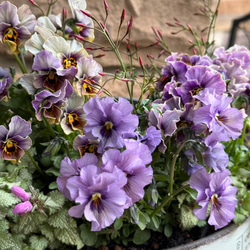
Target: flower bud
[(20, 193), (22, 208)]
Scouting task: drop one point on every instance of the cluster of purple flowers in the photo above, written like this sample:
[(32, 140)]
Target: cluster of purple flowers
[(105, 180), (197, 97)]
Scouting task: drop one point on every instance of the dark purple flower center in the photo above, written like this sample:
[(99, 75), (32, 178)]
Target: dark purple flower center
[(10, 147), (10, 34), (68, 62), (89, 148), (96, 202), (215, 201), (196, 90), (107, 129)]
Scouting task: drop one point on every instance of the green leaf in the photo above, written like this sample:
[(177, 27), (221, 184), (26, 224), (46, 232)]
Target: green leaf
[(48, 232), (38, 243), (118, 223), (168, 230), (61, 220), (156, 221), (7, 242), (67, 235), (141, 236), (7, 199), (4, 225), (88, 237), (246, 202), (144, 219)]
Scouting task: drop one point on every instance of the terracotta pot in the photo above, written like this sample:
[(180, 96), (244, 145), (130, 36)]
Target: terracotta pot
[(232, 237)]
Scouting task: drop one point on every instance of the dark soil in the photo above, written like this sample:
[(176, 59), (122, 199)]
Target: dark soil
[(159, 241)]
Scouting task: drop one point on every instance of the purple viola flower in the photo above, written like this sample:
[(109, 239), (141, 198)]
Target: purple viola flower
[(200, 78), (88, 78), (49, 104), (15, 141), (84, 145), (20, 193), (99, 194), (214, 156), (22, 208), (234, 63), (5, 80), (16, 24), (69, 169), (74, 116), (214, 188), (108, 120), (132, 162), (217, 115), (51, 74)]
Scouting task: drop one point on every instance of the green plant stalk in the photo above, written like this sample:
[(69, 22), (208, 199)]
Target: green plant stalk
[(49, 127), (168, 199), (172, 167), (35, 163)]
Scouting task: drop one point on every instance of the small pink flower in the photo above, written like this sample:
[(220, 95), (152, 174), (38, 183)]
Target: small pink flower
[(20, 193), (22, 208)]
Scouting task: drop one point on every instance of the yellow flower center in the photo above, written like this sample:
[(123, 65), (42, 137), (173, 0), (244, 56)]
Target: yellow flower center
[(73, 119), (96, 197), (215, 200), (108, 125), (10, 34), (10, 147), (196, 90), (68, 62)]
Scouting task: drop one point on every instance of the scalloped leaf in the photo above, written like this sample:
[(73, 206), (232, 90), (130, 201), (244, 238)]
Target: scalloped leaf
[(7, 199), (38, 243)]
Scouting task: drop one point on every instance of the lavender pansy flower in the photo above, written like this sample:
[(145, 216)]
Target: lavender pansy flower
[(15, 141), (5, 80), (214, 188), (218, 115), (16, 24), (200, 78), (100, 196), (132, 162), (69, 169), (108, 121)]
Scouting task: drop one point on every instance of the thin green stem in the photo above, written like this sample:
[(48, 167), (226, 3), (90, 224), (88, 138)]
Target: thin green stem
[(168, 199), (49, 127), (172, 167), (34, 163)]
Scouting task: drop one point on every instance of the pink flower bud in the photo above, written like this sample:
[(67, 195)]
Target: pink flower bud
[(79, 37), (189, 27), (123, 15), (81, 25), (86, 13), (20, 193), (170, 24), (150, 56), (102, 73), (106, 5), (140, 60), (22, 208), (33, 2)]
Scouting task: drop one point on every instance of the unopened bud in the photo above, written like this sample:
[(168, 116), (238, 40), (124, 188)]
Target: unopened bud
[(102, 73), (101, 55), (81, 25), (79, 37), (65, 13), (189, 27), (150, 56), (123, 15), (170, 24), (140, 60), (106, 5), (86, 13), (33, 2)]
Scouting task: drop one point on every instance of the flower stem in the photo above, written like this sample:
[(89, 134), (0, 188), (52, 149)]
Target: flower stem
[(168, 199), (34, 163), (49, 127)]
